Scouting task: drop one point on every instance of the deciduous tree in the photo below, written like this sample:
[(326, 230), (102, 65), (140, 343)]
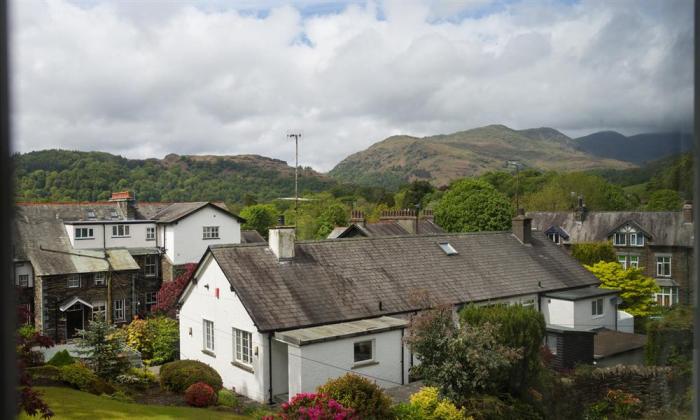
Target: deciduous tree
[(472, 205), (636, 289)]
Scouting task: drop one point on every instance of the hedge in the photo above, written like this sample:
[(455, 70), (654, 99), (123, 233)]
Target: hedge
[(179, 375)]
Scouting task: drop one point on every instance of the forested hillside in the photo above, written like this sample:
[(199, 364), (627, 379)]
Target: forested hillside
[(638, 149), (60, 175)]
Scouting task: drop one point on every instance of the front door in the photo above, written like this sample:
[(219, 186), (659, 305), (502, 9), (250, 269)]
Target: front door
[(74, 320)]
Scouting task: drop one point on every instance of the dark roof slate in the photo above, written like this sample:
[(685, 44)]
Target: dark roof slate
[(383, 228), (251, 237), (665, 227), (343, 280), (609, 343)]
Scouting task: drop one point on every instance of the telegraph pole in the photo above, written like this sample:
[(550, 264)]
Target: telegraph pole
[(296, 137), (517, 166)]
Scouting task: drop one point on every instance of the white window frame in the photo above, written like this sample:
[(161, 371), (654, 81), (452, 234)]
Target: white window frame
[(120, 231), (667, 296), (555, 237), (100, 279), (150, 268), (150, 299), (71, 281), (22, 280), (99, 307), (372, 354), (636, 238), (552, 342), (242, 347), (210, 232), (616, 235), (150, 233), (660, 266), (633, 263), (119, 310), (208, 343), (597, 308), (84, 233), (622, 259)]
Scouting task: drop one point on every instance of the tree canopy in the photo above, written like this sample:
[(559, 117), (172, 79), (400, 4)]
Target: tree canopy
[(590, 253), (260, 217), (473, 205), (636, 290)]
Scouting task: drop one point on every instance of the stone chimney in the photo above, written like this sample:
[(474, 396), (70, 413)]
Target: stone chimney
[(406, 218), (281, 241), (126, 201), (427, 214), (522, 227), (357, 217), (688, 212)]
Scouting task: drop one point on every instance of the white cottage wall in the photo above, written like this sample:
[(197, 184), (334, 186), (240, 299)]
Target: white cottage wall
[(24, 269), (314, 364), (188, 244), (584, 318), (557, 312), (226, 312)]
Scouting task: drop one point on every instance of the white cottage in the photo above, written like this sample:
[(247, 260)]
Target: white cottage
[(281, 318)]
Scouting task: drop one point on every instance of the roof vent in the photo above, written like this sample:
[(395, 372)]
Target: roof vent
[(447, 248)]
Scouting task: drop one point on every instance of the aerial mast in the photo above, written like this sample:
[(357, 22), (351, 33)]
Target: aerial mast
[(296, 136)]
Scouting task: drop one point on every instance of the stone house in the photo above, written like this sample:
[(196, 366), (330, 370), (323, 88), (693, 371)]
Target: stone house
[(76, 261), (659, 242)]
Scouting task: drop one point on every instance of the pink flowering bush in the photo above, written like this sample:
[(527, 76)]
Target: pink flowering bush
[(313, 407)]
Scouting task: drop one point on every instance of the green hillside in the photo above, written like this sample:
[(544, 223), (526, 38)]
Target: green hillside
[(61, 175), (443, 158)]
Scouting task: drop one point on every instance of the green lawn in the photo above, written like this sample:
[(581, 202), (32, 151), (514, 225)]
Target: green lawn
[(67, 403)]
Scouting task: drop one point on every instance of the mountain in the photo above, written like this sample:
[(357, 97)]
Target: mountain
[(443, 158), (636, 149), (61, 175)]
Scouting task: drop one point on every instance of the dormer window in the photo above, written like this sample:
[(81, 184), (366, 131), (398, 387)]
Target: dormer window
[(113, 214), (120, 231), (447, 248), (619, 239), (636, 239), (84, 233), (91, 214)]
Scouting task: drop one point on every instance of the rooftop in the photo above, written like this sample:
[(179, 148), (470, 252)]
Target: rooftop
[(304, 336), (608, 343), (583, 293)]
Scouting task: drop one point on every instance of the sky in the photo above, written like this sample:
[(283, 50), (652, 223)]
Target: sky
[(148, 78)]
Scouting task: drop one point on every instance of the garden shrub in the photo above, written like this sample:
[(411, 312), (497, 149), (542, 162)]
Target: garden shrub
[(616, 405), (227, 398), (121, 396), (321, 406), (428, 405), (78, 376), (179, 375), (670, 339), (406, 411), (518, 327), (144, 374), (200, 394), (590, 253), (155, 338), (362, 395), (62, 358), (132, 380), (491, 407)]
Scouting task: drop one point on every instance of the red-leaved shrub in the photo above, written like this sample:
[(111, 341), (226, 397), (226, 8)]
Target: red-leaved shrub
[(313, 407), (200, 395), (166, 297)]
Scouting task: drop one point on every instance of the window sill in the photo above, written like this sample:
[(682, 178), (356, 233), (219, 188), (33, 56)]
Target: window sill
[(598, 316), (209, 353), (243, 366), (365, 364), (211, 239), (120, 237), (85, 239)]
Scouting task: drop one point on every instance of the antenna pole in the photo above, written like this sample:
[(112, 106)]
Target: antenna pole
[(296, 169)]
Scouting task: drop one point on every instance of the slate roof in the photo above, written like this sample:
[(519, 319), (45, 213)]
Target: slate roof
[(383, 228), (665, 227), (330, 332), (41, 225), (251, 237), (583, 293), (342, 280)]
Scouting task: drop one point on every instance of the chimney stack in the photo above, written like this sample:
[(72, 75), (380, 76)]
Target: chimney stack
[(406, 218), (281, 240), (357, 217), (688, 212), (125, 200), (581, 210), (522, 227)]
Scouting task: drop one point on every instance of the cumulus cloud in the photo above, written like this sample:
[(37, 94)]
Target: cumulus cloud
[(144, 79)]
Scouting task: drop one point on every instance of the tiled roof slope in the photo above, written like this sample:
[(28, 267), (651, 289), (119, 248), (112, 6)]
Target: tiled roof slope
[(251, 237), (171, 212), (341, 280), (666, 227), (384, 228)]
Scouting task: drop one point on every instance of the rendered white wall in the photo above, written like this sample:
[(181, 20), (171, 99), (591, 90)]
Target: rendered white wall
[(136, 238), (226, 312), (585, 320), (317, 363), (558, 312), (188, 244)]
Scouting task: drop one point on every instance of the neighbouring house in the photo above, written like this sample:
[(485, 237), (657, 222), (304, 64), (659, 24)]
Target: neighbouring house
[(283, 317), (618, 348), (659, 242), (391, 222), (76, 261)]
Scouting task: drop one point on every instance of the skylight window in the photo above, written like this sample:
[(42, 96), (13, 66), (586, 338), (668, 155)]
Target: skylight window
[(447, 248), (114, 214), (91, 214)]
